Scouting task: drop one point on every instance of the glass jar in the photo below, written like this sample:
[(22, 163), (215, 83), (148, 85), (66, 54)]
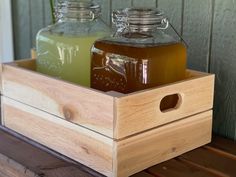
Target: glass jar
[(140, 55), (64, 49)]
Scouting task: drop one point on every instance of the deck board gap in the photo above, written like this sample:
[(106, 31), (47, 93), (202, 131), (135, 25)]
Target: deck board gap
[(220, 152), (203, 168)]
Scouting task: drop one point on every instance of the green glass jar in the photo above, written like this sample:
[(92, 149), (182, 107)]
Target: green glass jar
[(63, 49)]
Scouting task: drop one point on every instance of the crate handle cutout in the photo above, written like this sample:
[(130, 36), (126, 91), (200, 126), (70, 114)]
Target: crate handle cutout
[(170, 103)]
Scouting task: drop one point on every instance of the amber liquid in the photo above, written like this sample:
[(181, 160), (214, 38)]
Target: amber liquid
[(129, 68)]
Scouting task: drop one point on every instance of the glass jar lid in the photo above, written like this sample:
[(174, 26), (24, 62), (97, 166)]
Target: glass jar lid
[(145, 18), (77, 9)]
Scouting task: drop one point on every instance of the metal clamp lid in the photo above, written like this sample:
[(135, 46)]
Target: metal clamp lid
[(140, 17), (77, 9)]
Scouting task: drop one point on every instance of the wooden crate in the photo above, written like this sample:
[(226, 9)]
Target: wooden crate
[(113, 133)]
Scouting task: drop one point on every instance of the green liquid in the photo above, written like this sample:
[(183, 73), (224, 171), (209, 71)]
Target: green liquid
[(65, 57)]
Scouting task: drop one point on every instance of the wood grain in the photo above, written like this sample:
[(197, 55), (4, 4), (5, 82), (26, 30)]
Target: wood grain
[(213, 162), (176, 168), (103, 154), (109, 113), (196, 96), (66, 172), (10, 168), (223, 64), (142, 174), (194, 19), (50, 164), (197, 20), (76, 104), (46, 162), (225, 145), (78, 143), (28, 64), (155, 146)]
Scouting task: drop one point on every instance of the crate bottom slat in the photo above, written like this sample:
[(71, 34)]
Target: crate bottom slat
[(105, 155)]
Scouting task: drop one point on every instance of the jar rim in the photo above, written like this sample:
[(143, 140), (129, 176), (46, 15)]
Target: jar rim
[(87, 10), (142, 16)]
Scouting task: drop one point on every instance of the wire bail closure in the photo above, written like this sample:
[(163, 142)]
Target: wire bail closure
[(165, 23), (77, 10)]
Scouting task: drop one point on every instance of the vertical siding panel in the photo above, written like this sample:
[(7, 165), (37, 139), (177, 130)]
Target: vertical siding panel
[(144, 3), (223, 63), (117, 4), (37, 21), (22, 31), (196, 32), (173, 10), (106, 14), (47, 13)]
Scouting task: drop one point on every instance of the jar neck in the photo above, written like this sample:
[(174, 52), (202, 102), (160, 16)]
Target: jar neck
[(77, 10), (135, 20)]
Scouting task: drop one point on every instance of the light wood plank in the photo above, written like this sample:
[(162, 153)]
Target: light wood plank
[(28, 64), (196, 96), (223, 63), (10, 168), (88, 108), (22, 31), (144, 3), (147, 149), (76, 104), (196, 32), (86, 147), (45, 162), (173, 10)]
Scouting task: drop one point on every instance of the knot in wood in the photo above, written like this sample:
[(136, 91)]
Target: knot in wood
[(68, 113)]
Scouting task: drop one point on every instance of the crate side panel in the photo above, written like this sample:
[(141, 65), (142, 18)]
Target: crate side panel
[(76, 104), (78, 143), (150, 148), (141, 111)]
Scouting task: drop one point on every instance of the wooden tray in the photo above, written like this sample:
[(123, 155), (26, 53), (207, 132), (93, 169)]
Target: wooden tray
[(115, 134)]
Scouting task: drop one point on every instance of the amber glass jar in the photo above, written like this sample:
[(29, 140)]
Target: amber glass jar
[(140, 55)]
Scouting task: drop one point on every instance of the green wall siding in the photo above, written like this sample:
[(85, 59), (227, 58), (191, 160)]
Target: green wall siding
[(208, 26)]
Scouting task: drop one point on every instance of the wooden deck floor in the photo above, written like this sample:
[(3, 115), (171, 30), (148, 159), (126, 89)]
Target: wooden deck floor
[(19, 158)]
